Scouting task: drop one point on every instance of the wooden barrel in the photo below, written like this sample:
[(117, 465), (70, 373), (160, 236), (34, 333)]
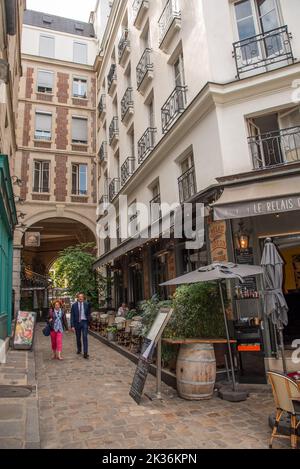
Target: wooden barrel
[(196, 371)]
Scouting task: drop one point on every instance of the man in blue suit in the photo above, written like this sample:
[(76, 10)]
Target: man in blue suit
[(80, 318)]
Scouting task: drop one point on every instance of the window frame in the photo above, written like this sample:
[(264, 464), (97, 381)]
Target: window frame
[(78, 191), (80, 142), (37, 83), (45, 113), (46, 36), (41, 173), (80, 80), (86, 51)]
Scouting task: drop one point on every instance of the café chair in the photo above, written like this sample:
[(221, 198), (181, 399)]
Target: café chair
[(286, 394)]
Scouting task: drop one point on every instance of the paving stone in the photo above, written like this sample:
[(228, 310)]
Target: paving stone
[(11, 412)]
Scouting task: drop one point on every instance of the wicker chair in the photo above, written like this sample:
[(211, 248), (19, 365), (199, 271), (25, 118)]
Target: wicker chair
[(287, 399)]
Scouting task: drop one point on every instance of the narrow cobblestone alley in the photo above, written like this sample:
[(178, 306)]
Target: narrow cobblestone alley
[(85, 404)]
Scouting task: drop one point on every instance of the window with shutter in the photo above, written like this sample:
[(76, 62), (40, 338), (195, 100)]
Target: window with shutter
[(47, 46), (79, 130), (45, 81), (43, 125), (80, 53)]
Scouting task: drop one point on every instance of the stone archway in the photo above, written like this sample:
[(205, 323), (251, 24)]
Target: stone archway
[(56, 234)]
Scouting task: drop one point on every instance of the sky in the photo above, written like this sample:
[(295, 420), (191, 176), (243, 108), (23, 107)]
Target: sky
[(75, 9)]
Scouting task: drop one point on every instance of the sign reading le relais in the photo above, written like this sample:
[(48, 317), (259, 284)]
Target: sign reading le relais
[(258, 207)]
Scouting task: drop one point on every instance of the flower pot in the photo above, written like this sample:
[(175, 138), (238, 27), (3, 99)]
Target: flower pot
[(111, 336)]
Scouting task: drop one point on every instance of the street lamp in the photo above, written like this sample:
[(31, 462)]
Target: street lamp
[(242, 237)]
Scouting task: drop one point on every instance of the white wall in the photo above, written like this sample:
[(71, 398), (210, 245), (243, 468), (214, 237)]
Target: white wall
[(64, 43)]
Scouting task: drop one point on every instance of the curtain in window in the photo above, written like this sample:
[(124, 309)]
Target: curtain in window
[(45, 80)]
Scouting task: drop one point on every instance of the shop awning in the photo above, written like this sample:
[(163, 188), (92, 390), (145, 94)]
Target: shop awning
[(258, 198)]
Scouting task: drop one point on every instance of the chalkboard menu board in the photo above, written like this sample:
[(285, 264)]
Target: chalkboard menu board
[(245, 256), (147, 352), (139, 379)]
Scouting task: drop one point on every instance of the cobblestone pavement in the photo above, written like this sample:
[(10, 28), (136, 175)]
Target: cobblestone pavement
[(85, 404)]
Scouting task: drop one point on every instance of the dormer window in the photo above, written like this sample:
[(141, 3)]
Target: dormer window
[(47, 20)]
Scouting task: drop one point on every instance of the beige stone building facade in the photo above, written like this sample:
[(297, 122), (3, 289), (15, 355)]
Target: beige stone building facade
[(56, 139)]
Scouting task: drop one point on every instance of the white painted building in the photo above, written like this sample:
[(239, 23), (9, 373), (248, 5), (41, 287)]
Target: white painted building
[(198, 100)]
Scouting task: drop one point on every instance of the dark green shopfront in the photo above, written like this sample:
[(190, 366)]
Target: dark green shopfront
[(8, 220)]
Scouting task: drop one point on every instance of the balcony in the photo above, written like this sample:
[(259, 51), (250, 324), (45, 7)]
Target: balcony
[(140, 8), (144, 71), (155, 208), (173, 107), (112, 79), (127, 106), (114, 131), (187, 185), (102, 106), (263, 50), (114, 188), (103, 153), (146, 144), (169, 24), (124, 48), (127, 170), (275, 148)]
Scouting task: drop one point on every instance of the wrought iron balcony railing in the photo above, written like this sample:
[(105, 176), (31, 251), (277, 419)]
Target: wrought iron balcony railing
[(187, 185), (114, 188), (263, 50), (275, 148), (145, 65), (169, 14), (173, 107), (112, 75), (102, 104), (146, 144), (127, 170), (79, 192), (113, 129), (42, 135), (155, 208), (103, 152), (123, 43), (127, 102)]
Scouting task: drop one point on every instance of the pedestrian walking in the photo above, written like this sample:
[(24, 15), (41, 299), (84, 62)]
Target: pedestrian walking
[(58, 323), (80, 318)]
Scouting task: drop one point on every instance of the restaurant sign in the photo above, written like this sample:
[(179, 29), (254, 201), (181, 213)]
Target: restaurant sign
[(258, 207)]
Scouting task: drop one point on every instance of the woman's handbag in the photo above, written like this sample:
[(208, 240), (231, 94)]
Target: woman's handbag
[(47, 330)]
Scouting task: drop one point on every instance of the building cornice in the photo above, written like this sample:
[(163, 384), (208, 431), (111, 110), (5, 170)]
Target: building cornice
[(56, 62), (56, 152), (56, 104)]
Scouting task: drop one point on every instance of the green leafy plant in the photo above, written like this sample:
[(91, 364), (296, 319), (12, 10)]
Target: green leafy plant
[(150, 309), (131, 314), (112, 330), (197, 312), (73, 270)]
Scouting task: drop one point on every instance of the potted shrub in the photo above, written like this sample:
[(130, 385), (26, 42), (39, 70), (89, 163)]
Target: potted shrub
[(111, 333), (197, 314)]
